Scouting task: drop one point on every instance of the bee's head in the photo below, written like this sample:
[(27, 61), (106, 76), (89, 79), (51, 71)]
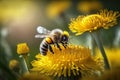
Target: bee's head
[(65, 37)]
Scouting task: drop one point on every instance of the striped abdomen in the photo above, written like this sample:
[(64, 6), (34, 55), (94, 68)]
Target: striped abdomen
[(43, 47)]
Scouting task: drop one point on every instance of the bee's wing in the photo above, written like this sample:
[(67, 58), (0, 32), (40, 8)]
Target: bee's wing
[(42, 30), (40, 36)]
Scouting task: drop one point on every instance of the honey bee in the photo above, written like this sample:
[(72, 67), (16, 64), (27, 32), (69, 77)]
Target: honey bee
[(51, 37)]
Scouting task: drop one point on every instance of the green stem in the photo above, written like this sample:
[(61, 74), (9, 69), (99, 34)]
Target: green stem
[(93, 46), (96, 36), (24, 59)]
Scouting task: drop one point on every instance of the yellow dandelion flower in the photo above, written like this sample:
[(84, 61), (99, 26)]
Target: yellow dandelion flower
[(93, 22), (22, 48), (55, 8), (86, 23), (89, 6), (113, 55), (110, 18), (73, 60)]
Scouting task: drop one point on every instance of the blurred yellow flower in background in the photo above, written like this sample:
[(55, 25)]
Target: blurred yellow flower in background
[(22, 48), (104, 19), (107, 75), (34, 76), (17, 9), (14, 65), (74, 60), (113, 55), (89, 6), (56, 8), (110, 75)]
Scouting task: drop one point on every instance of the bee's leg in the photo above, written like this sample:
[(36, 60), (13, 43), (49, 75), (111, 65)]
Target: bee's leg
[(50, 48), (63, 44), (58, 46)]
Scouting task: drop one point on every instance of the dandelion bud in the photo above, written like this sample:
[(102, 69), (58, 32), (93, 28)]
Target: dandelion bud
[(14, 65), (22, 48)]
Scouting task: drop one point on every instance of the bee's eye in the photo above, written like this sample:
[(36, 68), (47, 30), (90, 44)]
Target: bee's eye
[(64, 38)]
